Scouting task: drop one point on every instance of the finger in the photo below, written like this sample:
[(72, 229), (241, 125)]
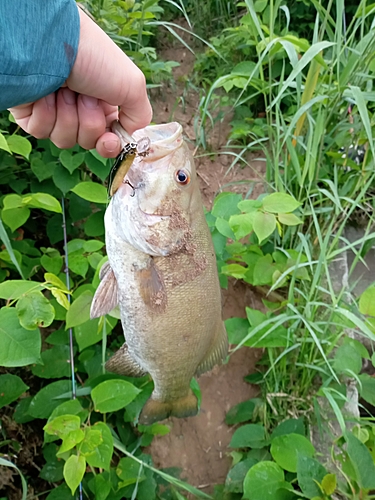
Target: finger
[(109, 75), (42, 118), (108, 145), (111, 113), (92, 122), (21, 114), (65, 131)]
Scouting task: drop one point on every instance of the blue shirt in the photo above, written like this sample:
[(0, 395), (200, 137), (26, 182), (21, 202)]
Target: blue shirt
[(38, 46)]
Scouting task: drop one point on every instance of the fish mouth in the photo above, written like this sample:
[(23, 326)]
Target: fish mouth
[(152, 219)]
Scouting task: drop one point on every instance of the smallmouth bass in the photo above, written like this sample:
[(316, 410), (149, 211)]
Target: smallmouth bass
[(162, 273)]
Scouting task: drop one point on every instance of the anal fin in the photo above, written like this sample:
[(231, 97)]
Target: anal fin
[(106, 295), (216, 355), (155, 410), (123, 364)]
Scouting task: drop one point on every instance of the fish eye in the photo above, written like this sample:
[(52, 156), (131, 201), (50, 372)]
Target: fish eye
[(182, 177)]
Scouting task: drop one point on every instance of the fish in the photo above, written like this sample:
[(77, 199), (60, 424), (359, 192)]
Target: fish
[(162, 273)]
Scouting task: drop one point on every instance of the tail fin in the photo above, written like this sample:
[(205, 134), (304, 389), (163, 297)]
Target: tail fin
[(154, 410)]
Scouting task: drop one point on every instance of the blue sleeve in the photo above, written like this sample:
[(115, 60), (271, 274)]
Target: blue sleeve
[(38, 46)]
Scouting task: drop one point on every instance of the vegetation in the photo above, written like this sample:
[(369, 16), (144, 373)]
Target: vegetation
[(299, 80)]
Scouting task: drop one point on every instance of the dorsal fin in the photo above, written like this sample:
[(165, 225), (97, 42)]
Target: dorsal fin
[(106, 295)]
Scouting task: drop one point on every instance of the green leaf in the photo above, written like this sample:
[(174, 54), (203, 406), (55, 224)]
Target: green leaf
[(367, 388), (14, 289), (11, 388), (79, 311), (53, 468), (285, 450), (262, 481), (15, 217), (290, 426), (63, 180), (347, 358), (20, 145), (237, 329), (235, 270), (101, 454), (329, 483), (112, 395), (55, 281), (128, 471), (42, 170), (248, 436), (88, 333), (263, 271), (52, 264), (43, 402), (78, 263), (71, 161), (225, 205), (91, 191), (19, 347), (235, 478), (92, 246), (21, 413), (62, 425), (94, 225), (222, 225), (264, 225), (367, 302), (43, 200), (34, 310), (74, 470), (99, 168), (100, 485), (362, 462), (289, 219), (70, 440), (280, 203), (60, 493), (56, 363), (4, 144), (243, 412), (242, 224), (309, 473)]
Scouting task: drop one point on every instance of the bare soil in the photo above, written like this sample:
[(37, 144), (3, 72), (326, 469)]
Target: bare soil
[(199, 445)]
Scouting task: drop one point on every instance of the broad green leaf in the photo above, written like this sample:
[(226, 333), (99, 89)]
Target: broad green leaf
[(91, 191), (34, 310), (4, 144), (235, 478), (235, 270), (329, 483), (43, 200), (249, 205), (5, 239), (42, 170), (264, 225), (347, 358), (222, 225), (55, 281), (289, 219), (362, 462), (70, 160), (19, 347), (56, 363), (61, 299), (20, 145), (367, 388), (98, 167), (44, 401), (100, 484), (243, 412), (11, 388), (112, 395), (225, 205), (88, 333), (12, 201), (78, 263), (74, 470), (94, 225), (62, 425), (262, 481), (285, 450), (92, 246), (62, 492), (63, 180), (237, 329), (79, 311), (128, 471), (263, 271), (53, 468), (14, 289), (21, 413), (242, 224), (101, 454), (280, 203), (290, 426), (367, 302), (52, 264), (70, 440), (15, 217), (248, 436), (309, 473)]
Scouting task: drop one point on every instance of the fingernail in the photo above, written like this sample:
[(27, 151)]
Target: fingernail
[(50, 99), (90, 102), (68, 96), (110, 146)]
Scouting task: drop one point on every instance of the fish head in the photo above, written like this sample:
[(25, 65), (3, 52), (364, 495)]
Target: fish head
[(154, 206)]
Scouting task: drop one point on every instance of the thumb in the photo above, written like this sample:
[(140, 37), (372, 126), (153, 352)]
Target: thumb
[(103, 71)]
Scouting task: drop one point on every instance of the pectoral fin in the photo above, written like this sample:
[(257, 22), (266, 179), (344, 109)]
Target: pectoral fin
[(152, 287), (123, 364), (216, 355), (105, 298)]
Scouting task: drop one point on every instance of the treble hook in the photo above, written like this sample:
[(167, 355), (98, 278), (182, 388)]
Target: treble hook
[(131, 185)]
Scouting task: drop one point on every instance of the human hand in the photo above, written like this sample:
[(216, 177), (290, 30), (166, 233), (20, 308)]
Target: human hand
[(103, 79)]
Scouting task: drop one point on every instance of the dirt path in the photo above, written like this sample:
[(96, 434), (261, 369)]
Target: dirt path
[(199, 445)]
